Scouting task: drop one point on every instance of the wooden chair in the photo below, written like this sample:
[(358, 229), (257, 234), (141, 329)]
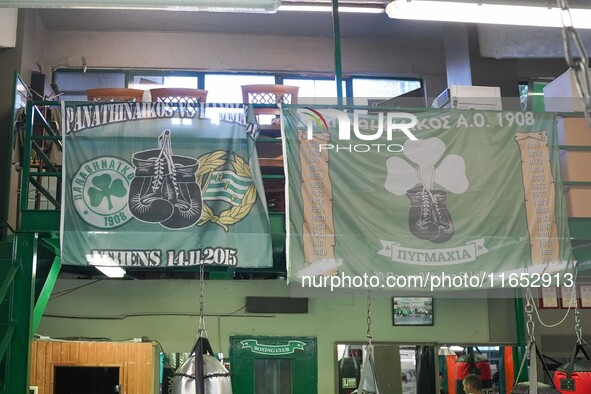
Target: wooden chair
[(269, 94), (179, 95), (115, 94), (270, 154)]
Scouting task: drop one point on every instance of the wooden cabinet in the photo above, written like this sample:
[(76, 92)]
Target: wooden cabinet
[(138, 364)]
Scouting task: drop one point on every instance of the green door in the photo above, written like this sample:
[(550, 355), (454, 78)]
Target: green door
[(273, 365)]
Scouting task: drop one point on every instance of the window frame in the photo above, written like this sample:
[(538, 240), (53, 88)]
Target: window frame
[(130, 73)]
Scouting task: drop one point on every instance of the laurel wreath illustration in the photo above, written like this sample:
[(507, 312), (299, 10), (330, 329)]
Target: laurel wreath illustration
[(210, 162)]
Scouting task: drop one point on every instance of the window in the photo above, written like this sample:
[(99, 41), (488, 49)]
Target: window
[(73, 84), (381, 88), (225, 88), (147, 82), (315, 91)]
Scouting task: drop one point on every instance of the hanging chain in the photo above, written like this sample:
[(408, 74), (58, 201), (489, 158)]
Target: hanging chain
[(578, 326), (578, 329), (529, 324), (369, 319), (580, 65), (201, 332)]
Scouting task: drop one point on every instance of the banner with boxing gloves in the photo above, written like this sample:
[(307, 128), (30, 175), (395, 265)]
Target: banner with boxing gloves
[(151, 185), (427, 200)]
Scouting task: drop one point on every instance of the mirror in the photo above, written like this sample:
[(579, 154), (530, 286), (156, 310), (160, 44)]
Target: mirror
[(395, 367), (402, 368)]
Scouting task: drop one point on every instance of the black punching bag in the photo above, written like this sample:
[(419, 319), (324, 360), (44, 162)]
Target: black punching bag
[(425, 370), (349, 372)]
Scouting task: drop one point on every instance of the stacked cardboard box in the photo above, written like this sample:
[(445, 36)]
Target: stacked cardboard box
[(576, 165)]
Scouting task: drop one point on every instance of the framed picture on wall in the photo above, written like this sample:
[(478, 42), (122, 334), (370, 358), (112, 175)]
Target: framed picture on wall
[(584, 293), (412, 311), (568, 296), (548, 297)]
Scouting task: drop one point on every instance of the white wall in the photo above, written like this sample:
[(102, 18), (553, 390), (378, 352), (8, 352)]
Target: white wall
[(8, 24), (218, 52), (34, 47)]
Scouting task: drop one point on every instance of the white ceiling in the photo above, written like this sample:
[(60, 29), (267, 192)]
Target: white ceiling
[(496, 41), (309, 24)]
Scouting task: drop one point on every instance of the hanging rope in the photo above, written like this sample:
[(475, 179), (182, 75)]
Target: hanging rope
[(570, 305), (580, 64)]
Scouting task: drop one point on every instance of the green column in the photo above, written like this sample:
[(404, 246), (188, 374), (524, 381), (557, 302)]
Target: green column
[(17, 379), (336, 32)]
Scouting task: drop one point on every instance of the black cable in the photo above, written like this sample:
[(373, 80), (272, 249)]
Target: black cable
[(68, 291), (166, 359), (237, 310)]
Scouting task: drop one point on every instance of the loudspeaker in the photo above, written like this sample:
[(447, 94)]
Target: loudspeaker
[(276, 305), (38, 85)]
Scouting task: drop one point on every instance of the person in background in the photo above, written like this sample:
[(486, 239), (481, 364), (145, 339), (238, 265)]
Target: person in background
[(472, 384)]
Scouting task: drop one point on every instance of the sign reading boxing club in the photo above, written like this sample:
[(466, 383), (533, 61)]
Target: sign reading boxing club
[(152, 185)]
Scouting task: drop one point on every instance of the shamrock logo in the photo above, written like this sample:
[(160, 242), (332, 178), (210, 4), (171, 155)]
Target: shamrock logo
[(429, 218), (104, 187)]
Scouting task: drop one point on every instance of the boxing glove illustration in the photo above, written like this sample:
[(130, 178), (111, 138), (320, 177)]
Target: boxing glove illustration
[(164, 189), (428, 217), (183, 192), (146, 198), (417, 176)]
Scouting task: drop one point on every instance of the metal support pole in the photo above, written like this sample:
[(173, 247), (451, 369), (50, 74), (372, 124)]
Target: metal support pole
[(521, 340), (45, 293), (336, 32), (25, 254)]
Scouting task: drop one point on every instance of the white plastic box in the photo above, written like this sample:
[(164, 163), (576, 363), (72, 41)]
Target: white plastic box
[(562, 95), (469, 97)]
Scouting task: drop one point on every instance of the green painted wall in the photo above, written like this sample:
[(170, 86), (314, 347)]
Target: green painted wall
[(165, 310)]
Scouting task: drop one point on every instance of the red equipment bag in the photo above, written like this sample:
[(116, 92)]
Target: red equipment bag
[(472, 363), (575, 376)]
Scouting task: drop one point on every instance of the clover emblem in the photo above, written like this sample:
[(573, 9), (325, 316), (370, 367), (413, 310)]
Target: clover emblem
[(104, 187), (429, 218)]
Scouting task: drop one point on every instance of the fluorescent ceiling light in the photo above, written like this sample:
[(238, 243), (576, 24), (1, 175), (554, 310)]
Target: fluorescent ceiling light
[(111, 272), (106, 265), (328, 8), (479, 12), (256, 6)]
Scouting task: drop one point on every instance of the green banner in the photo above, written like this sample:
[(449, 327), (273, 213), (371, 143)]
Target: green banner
[(438, 199), (150, 185)]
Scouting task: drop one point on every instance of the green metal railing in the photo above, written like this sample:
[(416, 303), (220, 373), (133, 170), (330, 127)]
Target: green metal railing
[(40, 188), (36, 234)]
